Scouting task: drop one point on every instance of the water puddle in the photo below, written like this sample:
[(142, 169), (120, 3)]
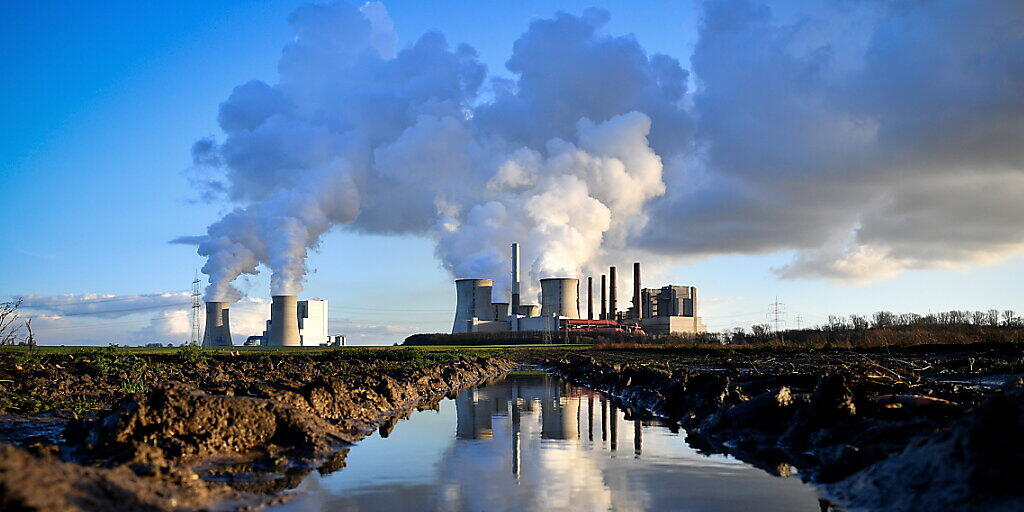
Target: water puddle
[(530, 441)]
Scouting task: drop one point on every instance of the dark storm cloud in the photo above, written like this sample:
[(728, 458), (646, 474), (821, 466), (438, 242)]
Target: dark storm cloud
[(863, 129)]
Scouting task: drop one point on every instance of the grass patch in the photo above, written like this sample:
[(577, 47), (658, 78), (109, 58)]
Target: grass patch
[(113, 361), (134, 387), (408, 356), (192, 355)]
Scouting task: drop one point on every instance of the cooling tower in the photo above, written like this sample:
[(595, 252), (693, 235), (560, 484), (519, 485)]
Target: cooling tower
[(284, 321), (500, 310), (218, 329), (529, 310), (473, 300), (560, 296)]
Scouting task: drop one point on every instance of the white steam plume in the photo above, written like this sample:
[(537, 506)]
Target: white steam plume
[(382, 142)]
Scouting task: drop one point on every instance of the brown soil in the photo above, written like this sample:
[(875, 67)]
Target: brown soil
[(920, 428), (223, 433), (108, 430)]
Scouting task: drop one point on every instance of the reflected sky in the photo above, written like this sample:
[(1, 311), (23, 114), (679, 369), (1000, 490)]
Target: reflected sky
[(530, 441)]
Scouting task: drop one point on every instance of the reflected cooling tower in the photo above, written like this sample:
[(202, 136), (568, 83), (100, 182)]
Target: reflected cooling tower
[(218, 329), (559, 296), (473, 300), (284, 321)]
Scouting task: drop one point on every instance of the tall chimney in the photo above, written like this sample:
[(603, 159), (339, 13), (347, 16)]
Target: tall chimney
[(604, 298), (636, 291), (284, 321), (590, 298), (611, 294), (515, 279), (218, 328)]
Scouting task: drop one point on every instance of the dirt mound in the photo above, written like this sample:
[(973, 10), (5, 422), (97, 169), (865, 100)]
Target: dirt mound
[(177, 420), (886, 439), (971, 466), (45, 484)]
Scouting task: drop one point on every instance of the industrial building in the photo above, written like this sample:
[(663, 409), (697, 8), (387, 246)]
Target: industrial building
[(293, 323), (670, 310), (296, 323), (667, 310)]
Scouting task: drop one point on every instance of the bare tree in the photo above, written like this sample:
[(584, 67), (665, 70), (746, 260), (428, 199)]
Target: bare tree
[(883, 319), (10, 328), (978, 318), (836, 323), (760, 330), (859, 323), (30, 339), (909, 319), (1009, 318), (993, 317)]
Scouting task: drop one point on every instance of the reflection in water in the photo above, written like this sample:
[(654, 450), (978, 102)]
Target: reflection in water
[(527, 442)]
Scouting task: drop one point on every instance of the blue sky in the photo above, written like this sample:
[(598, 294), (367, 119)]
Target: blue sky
[(102, 103)]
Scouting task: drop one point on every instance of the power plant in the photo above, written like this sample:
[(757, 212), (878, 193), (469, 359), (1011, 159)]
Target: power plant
[(218, 327), (667, 310), (297, 323), (670, 309), (293, 323)]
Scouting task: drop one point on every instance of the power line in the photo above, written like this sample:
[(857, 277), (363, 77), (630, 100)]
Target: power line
[(777, 313), (196, 307), (716, 317)]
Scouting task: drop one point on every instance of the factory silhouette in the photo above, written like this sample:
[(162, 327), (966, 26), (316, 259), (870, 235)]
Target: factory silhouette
[(670, 309), (667, 310)]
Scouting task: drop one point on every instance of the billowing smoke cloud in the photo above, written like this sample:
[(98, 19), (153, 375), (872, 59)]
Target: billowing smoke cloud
[(359, 136), (864, 136), (568, 204)]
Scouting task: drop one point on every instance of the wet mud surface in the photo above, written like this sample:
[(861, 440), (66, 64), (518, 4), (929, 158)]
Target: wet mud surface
[(918, 428), (225, 433), (922, 428)]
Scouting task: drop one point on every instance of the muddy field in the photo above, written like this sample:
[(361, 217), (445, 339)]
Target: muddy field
[(917, 428), (111, 430)]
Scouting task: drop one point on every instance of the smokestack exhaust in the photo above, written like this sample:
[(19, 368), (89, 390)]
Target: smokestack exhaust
[(218, 328), (284, 321), (515, 278), (612, 307), (636, 291)]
